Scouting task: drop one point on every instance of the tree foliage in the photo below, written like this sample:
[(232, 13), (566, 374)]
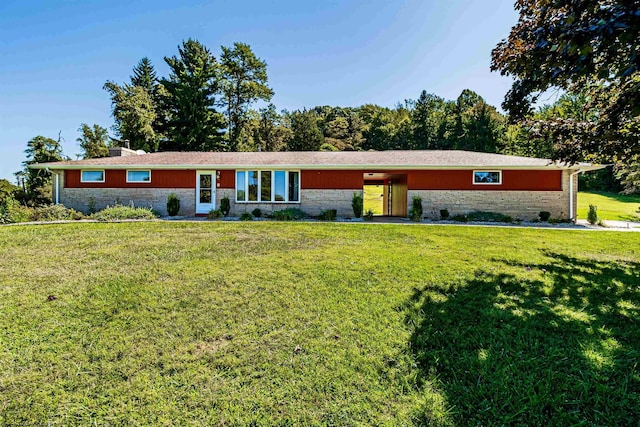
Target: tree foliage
[(37, 183), (94, 141), (193, 124), (306, 135), (590, 47), (144, 76), (135, 113), (271, 132), (243, 81)]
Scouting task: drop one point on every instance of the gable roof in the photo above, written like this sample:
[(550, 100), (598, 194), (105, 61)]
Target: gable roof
[(415, 159)]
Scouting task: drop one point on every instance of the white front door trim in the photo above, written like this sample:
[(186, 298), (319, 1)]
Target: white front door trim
[(203, 203)]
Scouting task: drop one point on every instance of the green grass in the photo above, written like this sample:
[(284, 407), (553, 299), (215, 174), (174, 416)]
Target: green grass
[(372, 196), (611, 206), (166, 323)]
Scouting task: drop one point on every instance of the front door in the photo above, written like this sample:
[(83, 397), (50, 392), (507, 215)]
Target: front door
[(205, 191)]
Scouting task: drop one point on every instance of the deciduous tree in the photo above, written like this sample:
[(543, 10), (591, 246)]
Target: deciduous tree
[(38, 181), (94, 141), (587, 46), (306, 135)]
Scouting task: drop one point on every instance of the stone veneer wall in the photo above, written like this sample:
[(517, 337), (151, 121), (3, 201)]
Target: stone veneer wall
[(156, 198), (524, 205), (520, 204), (311, 201)]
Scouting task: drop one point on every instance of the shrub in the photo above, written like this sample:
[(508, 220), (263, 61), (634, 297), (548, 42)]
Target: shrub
[(289, 214), (357, 203), (415, 213), (246, 216), (120, 212), (460, 218), (544, 216), (173, 204), (214, 214), (328, 215), (11, 211), (54, 213), (444, 213), (225, 205), (488, 217), (92, 205), (368, 215), (257, 212), (592, 215)]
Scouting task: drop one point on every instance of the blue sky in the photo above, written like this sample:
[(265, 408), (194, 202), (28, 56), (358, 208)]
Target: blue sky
[(56, 55)]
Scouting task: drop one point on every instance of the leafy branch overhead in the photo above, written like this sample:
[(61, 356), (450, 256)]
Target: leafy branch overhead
[(590, 47)]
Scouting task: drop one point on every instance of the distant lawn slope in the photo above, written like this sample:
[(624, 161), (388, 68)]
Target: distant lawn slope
[(611, 206), (373, 199), (317, 324)]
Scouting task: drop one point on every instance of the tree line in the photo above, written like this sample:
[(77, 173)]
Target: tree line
[(588, 50)]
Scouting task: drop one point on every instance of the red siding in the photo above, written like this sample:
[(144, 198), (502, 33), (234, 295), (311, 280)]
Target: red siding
[(533, 180), (117, 178), (227, 179), (332, 179)]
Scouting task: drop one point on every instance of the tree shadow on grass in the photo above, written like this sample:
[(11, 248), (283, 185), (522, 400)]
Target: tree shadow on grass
[(555, 343)]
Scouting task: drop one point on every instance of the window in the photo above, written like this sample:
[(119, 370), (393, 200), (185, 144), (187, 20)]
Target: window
[(267, 186), (241, 194), (487, 177), (294, 186), (280, 186), (138, 176), (92, 176), (253, 186)]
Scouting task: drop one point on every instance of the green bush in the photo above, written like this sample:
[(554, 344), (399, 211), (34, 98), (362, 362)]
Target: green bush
[(54, 213), (544, 216), (357, 203), (328, 215), (488, 217), (11, 211), (120, 212), (592, 215), (214, 214), (173, 204), (225, 205), (460, 218), (368, 215), (92, 205), (415, 213), (444, 213), (257, 212), (289, 214), (246, 216)]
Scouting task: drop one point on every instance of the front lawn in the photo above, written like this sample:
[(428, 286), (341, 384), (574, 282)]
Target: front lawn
[(317, 324), (611, 206)]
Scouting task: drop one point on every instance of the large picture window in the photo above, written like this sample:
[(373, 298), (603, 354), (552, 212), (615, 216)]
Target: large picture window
[(487, 177), (92, 176), (267, 186)]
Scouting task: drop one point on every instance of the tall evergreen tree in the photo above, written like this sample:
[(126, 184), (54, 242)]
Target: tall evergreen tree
[(423, 117), (144, 75), (243, 82), (138, 108), (194, 124)]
